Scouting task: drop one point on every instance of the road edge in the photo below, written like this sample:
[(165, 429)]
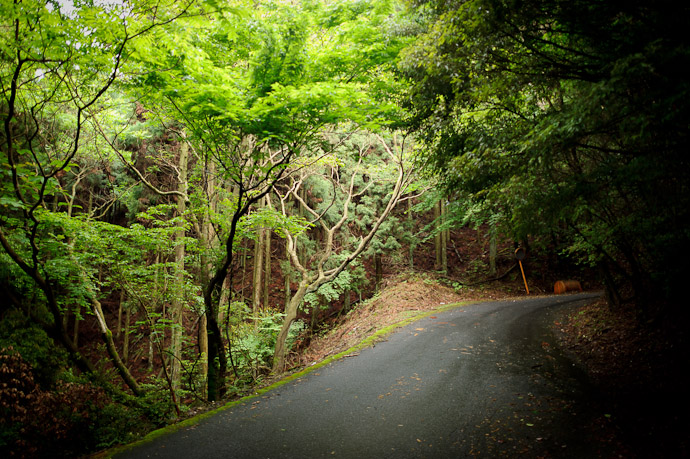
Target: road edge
[(375, 337)]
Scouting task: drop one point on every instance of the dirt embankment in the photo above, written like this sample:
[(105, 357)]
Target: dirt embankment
[(403, 297)]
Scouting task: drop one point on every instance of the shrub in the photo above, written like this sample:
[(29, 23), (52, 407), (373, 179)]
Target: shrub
[(34, 345), (74, 418)]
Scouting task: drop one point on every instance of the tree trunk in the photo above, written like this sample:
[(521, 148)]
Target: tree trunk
[(302, 248), (118, 329), (287, 274), (224, 305), (75, 332), (347, 302), (613, 296), (445, 237), (208, 242), (243, 263), (437, 236), (107, 337), (267, 265), (151, 354), (112, 351), (256, 279), (290, 316), (203, 350), (493, 249), (125, 338), (177, 306), (217, 362), (412, 242), (378, 268), (123, 325), (158, 288)]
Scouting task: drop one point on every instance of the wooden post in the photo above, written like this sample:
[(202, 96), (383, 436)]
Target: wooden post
[(520, 255)]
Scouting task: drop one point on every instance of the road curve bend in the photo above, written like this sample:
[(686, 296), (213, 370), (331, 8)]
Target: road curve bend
[(485, 379)]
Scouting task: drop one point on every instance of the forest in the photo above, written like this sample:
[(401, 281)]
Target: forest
[(191, 189)]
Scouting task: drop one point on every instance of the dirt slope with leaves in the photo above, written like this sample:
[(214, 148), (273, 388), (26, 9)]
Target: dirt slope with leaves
[(409, 296)]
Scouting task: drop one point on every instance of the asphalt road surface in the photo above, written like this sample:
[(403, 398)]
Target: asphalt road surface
[(481, 380)]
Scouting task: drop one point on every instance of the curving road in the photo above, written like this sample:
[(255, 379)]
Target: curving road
[(479, 380)]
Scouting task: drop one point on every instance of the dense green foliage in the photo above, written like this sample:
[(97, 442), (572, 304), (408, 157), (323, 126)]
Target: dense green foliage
[(147, 146), (138, 140), (569, 119)]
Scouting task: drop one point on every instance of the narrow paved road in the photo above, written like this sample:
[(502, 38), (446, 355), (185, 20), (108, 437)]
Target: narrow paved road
[(480, 380)]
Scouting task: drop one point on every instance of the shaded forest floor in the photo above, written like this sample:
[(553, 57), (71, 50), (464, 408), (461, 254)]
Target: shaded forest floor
[(640, 374)]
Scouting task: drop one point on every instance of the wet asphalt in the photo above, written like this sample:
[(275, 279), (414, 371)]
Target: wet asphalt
[(482, 380)]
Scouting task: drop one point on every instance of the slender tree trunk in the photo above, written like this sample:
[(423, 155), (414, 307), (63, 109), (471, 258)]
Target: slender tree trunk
[(75, 331), (224, 305), (203, 350), (445, 238), (213, 287), (125, 338), (437, 236), (151, 354), (118, 329), (65, 319), (613, 296), (493, 249), (287, 274), (112, 351), (267, 267), (158, 288), (302, 248), (378, 268), (217, 361), (258, 271), (210, 242), (412, 243), (177, 306), (290, 316), (347, 301)]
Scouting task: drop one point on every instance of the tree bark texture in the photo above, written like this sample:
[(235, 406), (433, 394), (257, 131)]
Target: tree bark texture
[(258, 275), (177, 306)]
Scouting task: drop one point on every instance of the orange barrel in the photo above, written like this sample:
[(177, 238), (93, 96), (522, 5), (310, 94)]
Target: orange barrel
[(563, 286)]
